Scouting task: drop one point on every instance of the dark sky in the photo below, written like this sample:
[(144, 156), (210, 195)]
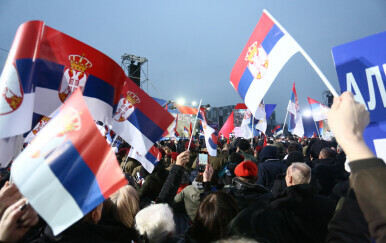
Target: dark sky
[(193, 45)]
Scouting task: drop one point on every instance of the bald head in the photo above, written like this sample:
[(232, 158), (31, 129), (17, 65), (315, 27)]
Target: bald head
[(327, 153), (298, 173)]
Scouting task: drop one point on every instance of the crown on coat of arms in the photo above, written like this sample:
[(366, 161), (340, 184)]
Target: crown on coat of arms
[(79, 63), (252, 51), (132, 98)]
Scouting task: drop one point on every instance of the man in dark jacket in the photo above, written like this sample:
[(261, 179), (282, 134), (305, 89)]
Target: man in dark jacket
[(244, 189), (270, 166), (306, 213), (327, 170)]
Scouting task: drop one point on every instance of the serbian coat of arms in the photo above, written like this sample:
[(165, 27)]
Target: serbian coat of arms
[(126, 106), (257, 60), (11, 91), (74, 76)]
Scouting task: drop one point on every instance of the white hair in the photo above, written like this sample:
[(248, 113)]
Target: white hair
[(155, 222), (301, 173)]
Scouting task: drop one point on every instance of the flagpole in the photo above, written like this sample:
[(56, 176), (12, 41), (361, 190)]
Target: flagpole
[(308, 58), (253, 121), (317, 129), (194, 126), (285, 118), (115, 138)]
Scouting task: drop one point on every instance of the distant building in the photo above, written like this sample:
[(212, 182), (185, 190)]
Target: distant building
[(219, 115)]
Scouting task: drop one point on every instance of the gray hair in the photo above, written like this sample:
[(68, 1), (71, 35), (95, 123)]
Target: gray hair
[(301, 173), (155, 222)]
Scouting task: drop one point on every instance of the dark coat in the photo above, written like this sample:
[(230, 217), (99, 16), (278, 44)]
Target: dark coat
[(328, 172), (268, 171), (87, 232), (247, 194), (306, 213)]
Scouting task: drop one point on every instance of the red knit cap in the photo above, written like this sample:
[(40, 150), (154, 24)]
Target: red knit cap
[(246, 169), (192, 145)]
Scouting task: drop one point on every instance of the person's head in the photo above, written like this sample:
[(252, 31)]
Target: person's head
[(327, 153), (292, 147), (126, 205), (295, 157), (247, 171), (212, 217), (94, 215), (155, 223), (244, 145), (316, 147), (236, 158), (268, 152), (298, 173)]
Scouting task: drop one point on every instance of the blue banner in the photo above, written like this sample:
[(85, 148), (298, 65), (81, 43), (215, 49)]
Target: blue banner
[(361, 69)]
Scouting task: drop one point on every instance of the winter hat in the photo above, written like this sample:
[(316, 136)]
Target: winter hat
[(269, 152), (246, 169), (173, 155)]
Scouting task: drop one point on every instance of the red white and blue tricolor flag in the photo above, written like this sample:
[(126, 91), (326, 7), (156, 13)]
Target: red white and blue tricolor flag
[(139, 119), (43, 68), (211, 137), (264, 55), (68, 169), (295, 121), (319, 111), (277, 130), (150, 160)]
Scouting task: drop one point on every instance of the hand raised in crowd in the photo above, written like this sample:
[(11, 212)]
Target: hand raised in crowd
[(207, 175), (16, 221), (347, 120), (183, 158), (9, 194)]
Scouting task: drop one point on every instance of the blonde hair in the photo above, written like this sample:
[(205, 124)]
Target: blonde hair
[(126, 204)]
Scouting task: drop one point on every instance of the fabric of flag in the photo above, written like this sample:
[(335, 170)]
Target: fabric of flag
[(68, 169), (43, 121), (9, 149), (211, 138), (276, 131), (295, 121), (148, 161), (319, 111), (228, 127), (264, 55), (53, 65), (139, 119)]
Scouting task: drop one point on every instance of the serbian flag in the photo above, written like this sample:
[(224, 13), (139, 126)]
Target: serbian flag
[(264, 55), (277, 130), (42, 122), (150, 160), (188, 130), (211, 138), (295, 123), (68, 169), (319, 111), (139, 119)]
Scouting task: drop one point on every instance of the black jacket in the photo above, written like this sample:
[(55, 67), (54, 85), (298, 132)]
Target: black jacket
[(247, 194), (328, 172), (268, 171), (306, 213)]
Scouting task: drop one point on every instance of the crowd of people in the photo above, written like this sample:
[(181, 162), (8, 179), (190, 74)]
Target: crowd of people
[(287, 191)]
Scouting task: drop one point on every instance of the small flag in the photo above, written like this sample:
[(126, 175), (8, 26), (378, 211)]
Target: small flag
[(211, 138), (266, 52), (319, 111), (150, 160), (295, 123), (68, 169)]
